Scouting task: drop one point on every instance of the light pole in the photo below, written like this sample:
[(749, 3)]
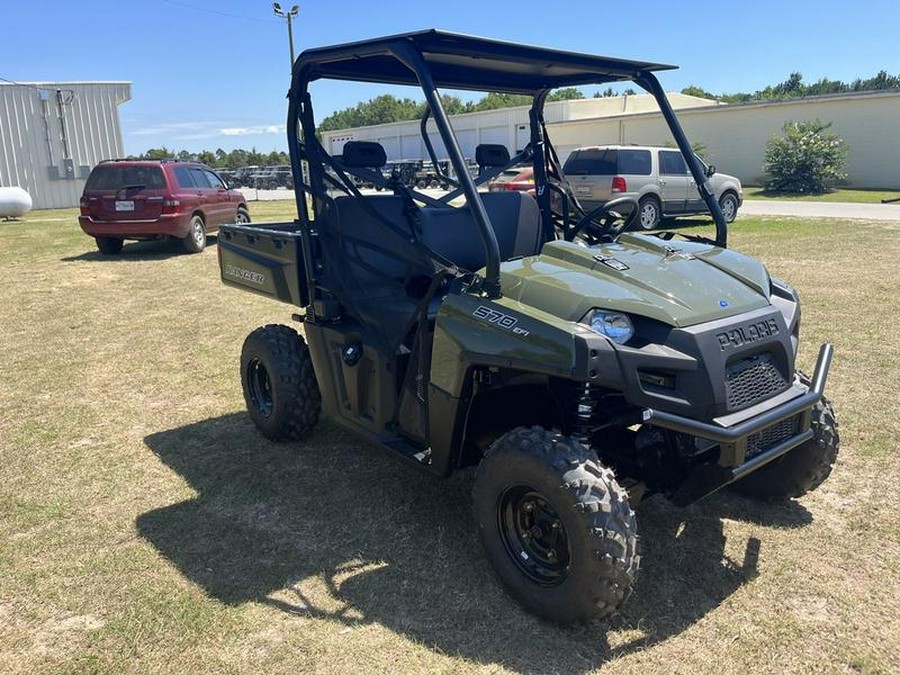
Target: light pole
[(289, 15)]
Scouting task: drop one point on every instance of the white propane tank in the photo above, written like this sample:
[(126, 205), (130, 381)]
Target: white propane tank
[(14, 202)]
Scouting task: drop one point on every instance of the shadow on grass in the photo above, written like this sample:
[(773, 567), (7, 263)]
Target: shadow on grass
[(158, 249), (273, 523), (687, 222)]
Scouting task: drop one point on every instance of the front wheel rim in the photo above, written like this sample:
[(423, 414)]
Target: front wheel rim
[(260, 387), (533, 535), (728, 209)]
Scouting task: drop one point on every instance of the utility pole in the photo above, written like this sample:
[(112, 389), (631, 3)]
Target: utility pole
[(289, 15)]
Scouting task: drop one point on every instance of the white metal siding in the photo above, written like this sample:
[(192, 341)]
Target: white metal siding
[(336, 144), (735, 136), (31, 146)]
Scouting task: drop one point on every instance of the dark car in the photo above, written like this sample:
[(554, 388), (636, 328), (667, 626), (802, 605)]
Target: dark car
[(156, 199)]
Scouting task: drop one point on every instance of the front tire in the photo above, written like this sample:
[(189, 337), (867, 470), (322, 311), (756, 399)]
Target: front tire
[(649, 213), (195, 241), (729, 205), (556, 526), (279, 383), (242, 217), (802, 469)]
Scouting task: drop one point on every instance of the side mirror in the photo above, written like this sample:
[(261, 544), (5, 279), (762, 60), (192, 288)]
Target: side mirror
[(710, 170)]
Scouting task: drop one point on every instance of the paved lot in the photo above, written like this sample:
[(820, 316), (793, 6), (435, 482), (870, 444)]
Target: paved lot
[(761, 207), (266, 195), (766, 207)]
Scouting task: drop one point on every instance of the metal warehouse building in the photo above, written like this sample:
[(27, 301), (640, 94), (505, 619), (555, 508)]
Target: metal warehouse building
[(506, 126), (734, 135), (53, 133)]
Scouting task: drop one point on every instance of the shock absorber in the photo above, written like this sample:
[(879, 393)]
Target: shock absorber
[(584, 410)]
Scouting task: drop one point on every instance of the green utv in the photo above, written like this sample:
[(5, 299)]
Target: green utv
[(578, 366)]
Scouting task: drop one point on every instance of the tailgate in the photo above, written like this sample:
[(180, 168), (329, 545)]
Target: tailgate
[(126, 204), (266, 260)]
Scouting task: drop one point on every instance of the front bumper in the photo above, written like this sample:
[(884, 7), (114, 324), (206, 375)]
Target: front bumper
[(733, 440)]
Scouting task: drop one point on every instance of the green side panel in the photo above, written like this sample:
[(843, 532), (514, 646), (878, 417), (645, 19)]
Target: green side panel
[(471, 330), (680, 284)]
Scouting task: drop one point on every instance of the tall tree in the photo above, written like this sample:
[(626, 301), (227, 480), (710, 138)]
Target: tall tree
[(206, 157)]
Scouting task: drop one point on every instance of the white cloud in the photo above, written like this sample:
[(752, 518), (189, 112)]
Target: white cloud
[(188, 131), (176, 129), (249, 131)]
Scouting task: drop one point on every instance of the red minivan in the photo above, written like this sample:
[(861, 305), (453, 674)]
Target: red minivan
[(154, 199)]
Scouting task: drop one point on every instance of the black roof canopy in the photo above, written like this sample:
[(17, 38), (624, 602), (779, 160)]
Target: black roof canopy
[(466, 62)]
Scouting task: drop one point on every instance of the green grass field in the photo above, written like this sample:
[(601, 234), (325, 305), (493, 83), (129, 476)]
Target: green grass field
[(145, 527)]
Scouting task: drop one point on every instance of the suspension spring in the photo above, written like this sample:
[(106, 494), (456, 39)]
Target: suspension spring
[(584, 411)]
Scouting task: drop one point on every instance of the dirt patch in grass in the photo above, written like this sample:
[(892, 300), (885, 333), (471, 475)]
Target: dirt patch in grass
[(146, 527)]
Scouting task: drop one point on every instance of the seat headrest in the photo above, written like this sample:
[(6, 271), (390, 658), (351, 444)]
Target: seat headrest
[(364, 154), (491, 154)]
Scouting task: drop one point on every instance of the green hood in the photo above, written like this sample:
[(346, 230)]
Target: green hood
[(680, 284)]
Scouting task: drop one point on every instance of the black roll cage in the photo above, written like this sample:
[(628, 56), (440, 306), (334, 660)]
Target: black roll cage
[(433, 59)]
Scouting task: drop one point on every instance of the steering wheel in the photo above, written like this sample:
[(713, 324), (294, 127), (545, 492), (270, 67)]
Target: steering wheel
[(602, 219)]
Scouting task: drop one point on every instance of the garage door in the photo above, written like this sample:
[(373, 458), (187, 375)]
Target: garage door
[(411, 147), (523, 136), (467, 139), (495, 135), (391, 147), (437, 144)]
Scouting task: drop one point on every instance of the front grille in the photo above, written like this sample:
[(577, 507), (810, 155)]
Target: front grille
[(752, 380), (771, 436)]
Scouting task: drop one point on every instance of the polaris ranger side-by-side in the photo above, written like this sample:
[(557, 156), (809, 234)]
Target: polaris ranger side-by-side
[(579, 366)]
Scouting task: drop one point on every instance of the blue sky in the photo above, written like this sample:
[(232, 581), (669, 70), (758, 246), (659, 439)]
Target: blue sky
[(213, 74)]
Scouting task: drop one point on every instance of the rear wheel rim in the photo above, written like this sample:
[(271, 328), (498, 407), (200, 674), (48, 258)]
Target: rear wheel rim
[(197, 233), (533, 535), (260, 388), (648, 215)]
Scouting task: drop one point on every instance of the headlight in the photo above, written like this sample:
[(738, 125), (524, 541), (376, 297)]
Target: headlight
[(614, 325)]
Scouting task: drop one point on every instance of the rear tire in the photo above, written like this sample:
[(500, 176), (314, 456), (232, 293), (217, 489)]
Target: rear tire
[(802, 469), (109, 245), (195, 241), (649, 213), (279, 383), (556, 526)]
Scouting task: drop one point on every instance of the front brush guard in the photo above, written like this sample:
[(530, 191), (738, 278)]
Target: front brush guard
[(732, 440)]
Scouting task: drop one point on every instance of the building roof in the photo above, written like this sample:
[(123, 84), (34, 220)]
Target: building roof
[(466, 62), (53, 83)]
